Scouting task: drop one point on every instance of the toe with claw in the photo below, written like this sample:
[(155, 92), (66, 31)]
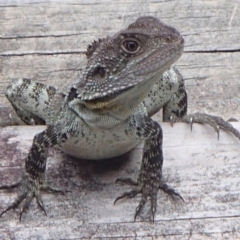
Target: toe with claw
[(147, 190), (215, 122), (27, 190)]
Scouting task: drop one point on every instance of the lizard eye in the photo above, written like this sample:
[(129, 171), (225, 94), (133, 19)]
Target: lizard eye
[(130, 46)]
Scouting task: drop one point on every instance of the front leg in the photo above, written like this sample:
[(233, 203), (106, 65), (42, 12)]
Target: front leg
[(35, 103), (33, 180), (175, 110), (150, 176)]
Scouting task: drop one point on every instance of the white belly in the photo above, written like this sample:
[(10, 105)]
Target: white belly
[(99, 144)]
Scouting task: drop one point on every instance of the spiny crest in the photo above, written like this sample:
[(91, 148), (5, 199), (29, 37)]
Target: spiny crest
[(92, 47)]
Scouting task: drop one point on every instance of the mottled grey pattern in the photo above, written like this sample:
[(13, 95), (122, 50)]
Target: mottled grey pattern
[(107, 112)]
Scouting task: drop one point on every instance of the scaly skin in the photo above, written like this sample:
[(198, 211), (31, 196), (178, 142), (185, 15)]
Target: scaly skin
[(128, 77)]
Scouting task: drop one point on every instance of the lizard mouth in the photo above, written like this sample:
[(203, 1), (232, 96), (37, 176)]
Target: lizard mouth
[(105, 101), (132, 94)]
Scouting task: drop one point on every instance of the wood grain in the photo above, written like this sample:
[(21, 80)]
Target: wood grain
[(204, 170), (46, 40)]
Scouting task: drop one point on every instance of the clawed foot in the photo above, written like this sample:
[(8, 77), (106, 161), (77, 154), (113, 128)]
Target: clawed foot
[(214, 121), (28, 189), (147, 190)]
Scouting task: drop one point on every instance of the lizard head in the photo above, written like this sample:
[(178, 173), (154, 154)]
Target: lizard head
[(134, 57)]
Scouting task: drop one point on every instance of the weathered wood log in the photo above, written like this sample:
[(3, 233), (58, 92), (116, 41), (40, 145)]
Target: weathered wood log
[(203, 169), (46, 40)]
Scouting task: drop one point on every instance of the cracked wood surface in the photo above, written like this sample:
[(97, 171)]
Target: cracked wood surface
[(204, 170), (46, 40)]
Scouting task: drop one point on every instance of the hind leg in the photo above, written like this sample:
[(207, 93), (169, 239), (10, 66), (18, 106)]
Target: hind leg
[(32, 100)]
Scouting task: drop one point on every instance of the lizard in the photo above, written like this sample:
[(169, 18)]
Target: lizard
[(105, 113)]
